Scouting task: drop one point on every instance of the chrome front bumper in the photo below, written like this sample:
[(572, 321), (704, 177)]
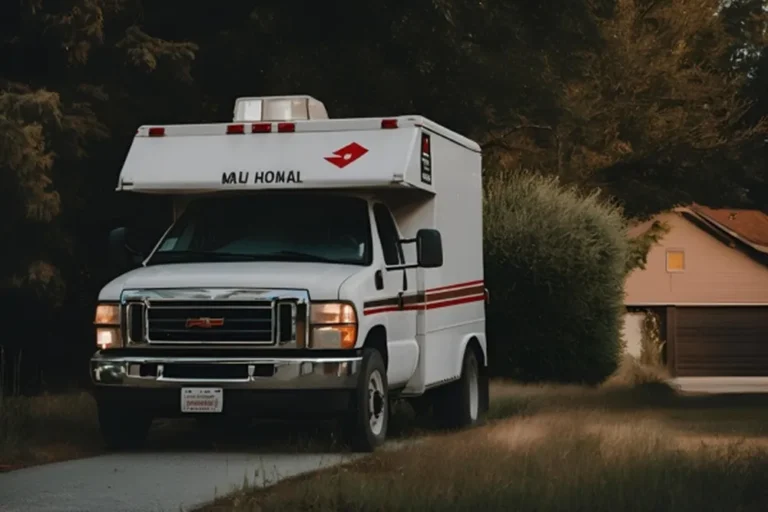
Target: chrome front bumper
[(288, 373)]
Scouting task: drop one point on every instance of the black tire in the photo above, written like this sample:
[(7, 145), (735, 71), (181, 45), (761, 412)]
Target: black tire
[(123, 428), (359, 431), (463, 403), (485, 394)]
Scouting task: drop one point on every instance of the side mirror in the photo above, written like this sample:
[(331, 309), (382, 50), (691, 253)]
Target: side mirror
[(120, 256), (429, 248)]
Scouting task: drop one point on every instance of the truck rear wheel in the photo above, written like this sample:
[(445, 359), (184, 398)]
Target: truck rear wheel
[(367, 422), (463, 403), (121, 427)]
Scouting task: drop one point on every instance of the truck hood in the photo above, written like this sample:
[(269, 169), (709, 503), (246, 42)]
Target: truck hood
[(322, 280)]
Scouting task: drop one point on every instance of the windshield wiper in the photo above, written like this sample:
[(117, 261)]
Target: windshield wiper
[(202, 256), (302, 256)]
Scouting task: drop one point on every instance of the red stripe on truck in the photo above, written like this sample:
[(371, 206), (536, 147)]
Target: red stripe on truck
[(434, 298)]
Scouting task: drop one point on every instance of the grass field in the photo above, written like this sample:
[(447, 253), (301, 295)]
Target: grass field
[(616, 448), (633, 444)]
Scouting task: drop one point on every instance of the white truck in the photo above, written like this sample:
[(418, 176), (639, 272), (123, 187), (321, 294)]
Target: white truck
[(313, 265)]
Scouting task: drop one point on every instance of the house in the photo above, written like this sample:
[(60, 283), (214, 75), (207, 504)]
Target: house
[(707, 281)]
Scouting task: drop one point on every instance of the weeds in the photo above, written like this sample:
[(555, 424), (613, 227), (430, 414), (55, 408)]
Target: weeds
[(47, 428)]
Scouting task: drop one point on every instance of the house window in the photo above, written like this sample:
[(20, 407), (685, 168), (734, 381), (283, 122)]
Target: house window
[(675, 260)]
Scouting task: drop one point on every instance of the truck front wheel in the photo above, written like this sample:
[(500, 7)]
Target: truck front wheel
[(121, 427), (367, 421)]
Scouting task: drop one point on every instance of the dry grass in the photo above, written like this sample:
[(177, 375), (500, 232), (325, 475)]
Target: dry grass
[(47, 428), (633, 444), (619, 447), (632, 373)]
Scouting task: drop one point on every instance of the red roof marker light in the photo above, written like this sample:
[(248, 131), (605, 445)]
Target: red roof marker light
[(261, 128), (235, 128), (286, 127), (388, 124), (156, 131)]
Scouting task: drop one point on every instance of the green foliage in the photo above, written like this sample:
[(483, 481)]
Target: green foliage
[(664, 110), (619, 109), (36, 127), (72, 92), (640, 245), (148, 53), (657, 116), (555, 262)]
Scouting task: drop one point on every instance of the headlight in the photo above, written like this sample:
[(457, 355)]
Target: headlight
[(107, 322), (334, 325), (107, 314)]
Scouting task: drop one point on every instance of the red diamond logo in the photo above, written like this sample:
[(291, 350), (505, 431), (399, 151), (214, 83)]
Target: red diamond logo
[(346, 155)]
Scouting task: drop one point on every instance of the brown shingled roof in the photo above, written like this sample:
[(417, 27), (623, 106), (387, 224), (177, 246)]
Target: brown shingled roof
[(751, 225)]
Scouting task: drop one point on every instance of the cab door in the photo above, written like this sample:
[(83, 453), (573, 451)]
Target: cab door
[(399, 300)]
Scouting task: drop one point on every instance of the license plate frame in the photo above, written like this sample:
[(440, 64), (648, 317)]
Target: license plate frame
[(202, 400)]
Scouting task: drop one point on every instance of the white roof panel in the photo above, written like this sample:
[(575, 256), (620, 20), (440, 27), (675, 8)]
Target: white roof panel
[(346, 153)]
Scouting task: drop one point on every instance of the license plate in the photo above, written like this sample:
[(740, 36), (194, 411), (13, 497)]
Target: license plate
[(202, 400)]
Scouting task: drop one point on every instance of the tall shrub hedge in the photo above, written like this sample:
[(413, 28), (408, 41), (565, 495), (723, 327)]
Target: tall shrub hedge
[(555, 264)]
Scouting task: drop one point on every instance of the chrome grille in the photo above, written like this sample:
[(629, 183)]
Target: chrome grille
[(171, 321), (215, 317)]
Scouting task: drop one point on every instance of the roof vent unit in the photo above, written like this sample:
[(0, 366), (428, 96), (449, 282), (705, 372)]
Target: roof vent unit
[(279, 108)]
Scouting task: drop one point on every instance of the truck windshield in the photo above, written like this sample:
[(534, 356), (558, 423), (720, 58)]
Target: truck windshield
[(298, 228)]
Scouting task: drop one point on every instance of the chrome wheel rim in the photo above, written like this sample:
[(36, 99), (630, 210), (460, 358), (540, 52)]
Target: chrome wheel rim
[(377, 403)]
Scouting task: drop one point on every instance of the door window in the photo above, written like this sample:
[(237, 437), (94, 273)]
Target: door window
[(390, 240)]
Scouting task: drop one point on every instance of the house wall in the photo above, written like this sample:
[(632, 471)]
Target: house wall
[(714, 273)]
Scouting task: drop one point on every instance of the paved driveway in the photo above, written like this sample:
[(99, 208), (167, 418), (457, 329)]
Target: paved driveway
[(147, 481), (716, 385)]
